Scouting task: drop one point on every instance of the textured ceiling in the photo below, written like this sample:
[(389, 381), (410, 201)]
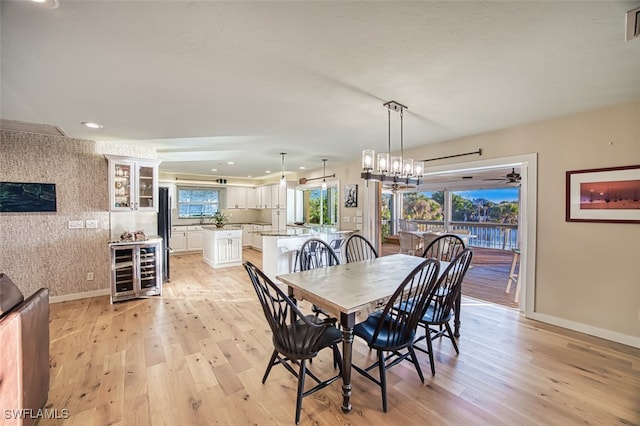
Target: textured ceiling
[(210, 82)]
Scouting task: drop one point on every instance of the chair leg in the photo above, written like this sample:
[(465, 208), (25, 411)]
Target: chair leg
[(414, 359), (452, 337), (337, 358), (383, 380), (430, 349), (271, 364), (301, 376)]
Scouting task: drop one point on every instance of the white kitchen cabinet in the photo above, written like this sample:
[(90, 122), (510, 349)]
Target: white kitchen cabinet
[(136, 270), (256, 237), (222, 248), (264, 197), (178, 240), (246, 235), (133, 184), (278, 219), (278, 197), (236, 198), (252, 199), (195, 238)]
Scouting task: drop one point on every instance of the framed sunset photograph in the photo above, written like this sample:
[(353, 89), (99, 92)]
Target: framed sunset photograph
[(604, 195)]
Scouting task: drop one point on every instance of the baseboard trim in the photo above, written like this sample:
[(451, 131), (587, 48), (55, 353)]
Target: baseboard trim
[(625, 339), (77, 296)]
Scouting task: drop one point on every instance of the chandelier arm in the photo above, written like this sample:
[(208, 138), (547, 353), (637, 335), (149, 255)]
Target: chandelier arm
[(401, 137), (389, 130)]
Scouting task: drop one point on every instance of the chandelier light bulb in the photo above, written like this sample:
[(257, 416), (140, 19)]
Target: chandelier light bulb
[(368, 156)]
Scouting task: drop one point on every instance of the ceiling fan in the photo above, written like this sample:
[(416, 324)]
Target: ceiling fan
[(511, 178)]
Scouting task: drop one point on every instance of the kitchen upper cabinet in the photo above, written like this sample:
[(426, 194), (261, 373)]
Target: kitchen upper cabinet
[(271, 197), (133, 184), (264, 197), (236, 198), (252, 199)]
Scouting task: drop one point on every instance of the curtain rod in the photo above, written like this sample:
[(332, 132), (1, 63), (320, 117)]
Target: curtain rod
[(479, 152)]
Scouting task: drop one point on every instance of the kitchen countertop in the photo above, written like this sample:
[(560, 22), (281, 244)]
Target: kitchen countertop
[(227, 224), (224, 228), (149, 240), (299, 232)]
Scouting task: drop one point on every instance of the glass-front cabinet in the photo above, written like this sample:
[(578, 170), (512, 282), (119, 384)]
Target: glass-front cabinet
[(133, 184)]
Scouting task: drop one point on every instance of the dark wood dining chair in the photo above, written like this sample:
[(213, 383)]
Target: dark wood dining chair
[(358, 248), (442, 304), (296, 338), (314, 254), (393, 329)]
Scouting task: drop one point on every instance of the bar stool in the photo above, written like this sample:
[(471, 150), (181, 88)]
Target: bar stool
[(513, 275)]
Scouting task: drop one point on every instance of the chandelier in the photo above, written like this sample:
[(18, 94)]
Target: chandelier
[(398, 170)]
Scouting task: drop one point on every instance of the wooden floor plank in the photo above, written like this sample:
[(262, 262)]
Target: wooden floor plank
[(197, 354)]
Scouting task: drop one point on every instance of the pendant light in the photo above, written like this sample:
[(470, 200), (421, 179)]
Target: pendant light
[(396, 169), (324, 174), (283, 181)]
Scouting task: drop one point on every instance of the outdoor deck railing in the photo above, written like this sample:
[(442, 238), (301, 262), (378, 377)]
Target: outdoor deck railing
[(489, 235)]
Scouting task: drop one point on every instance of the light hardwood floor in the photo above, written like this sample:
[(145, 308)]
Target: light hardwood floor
[(196, 355)]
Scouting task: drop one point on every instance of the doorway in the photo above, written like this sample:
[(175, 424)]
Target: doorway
[(526, 231)]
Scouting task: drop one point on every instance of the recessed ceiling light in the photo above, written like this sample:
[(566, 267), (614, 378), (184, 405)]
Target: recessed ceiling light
[(214, 170), (267, 171), (249, 176), (92, 125), (51, 4), (302, 167), (230, 163)]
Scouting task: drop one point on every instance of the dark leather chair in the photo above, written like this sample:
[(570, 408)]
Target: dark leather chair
[(358, 248), (442, 303), (393, 330), (296, 338)]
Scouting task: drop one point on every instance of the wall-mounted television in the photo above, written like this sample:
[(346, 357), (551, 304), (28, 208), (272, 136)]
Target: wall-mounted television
[(21, 197)]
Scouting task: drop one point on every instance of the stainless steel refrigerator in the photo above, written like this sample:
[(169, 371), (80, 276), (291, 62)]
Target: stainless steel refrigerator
[(164, 228)]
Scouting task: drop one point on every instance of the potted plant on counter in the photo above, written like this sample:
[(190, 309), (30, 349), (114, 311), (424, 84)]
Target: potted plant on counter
[(219, 219)]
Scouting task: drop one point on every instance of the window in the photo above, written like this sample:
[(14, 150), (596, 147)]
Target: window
[(321, 206), (314, 205), (197, 202), (423, 206), (486, 205)]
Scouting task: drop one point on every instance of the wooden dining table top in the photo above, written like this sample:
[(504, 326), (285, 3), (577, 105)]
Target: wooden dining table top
[(352, 287)]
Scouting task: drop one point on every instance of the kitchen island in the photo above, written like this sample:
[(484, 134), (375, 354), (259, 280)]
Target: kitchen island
[(279, 247), (222, 247)]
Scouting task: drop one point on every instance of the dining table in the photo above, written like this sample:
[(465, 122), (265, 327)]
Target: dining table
[(350, 291)]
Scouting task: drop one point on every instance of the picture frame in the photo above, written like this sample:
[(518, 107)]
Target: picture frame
[(27, 197), (351, 195), (609, 195)]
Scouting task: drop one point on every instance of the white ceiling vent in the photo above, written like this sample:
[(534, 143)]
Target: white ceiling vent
[(21, 126), (632, 24)]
